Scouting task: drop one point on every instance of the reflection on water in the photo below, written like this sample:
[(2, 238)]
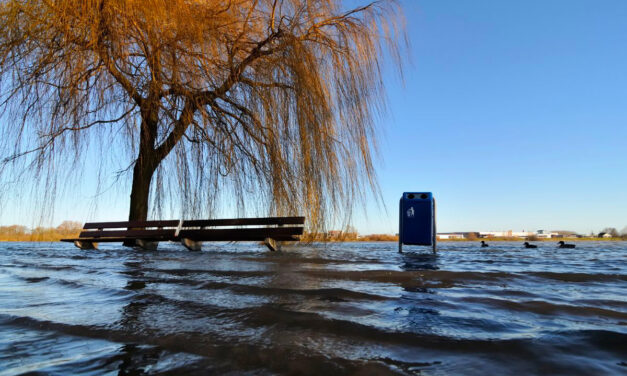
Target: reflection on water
[(419, 261), (350, 308)]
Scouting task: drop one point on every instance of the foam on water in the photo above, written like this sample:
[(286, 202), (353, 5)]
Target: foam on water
[(339, 308)]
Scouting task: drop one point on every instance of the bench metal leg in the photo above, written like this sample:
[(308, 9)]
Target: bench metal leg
[(272, 244), (85, 244), (192, 245), (146, 245)]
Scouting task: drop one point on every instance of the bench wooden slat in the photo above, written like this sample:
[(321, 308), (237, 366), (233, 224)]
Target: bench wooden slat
[(130, 234), (147, 234), (130, 224), (244, 222), (108, 240), (242, 234)]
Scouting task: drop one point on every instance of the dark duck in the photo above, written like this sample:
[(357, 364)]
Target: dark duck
[(484, 244), (561, 244), (527, 245)]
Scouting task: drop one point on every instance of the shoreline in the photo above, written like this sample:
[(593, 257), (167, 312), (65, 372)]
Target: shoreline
[(551, 240), (555, 240)]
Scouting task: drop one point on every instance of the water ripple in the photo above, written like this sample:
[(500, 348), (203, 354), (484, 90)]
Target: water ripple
[(352, 308)]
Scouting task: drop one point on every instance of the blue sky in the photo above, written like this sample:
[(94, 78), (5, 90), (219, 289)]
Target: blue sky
[(512, 113)]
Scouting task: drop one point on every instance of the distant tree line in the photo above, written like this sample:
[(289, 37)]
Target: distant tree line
[(348, 235), (613, 232), (70, 229), (18, 233)]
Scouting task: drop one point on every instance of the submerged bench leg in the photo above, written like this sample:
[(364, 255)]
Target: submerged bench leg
[(146, 245), (85, 244), (192, 245), (272, 244)]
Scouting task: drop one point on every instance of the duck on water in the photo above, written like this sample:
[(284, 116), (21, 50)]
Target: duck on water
[(527, 245), (561, 244), (484, 244)]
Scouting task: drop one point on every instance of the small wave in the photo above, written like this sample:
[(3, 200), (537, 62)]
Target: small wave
[(31, 279), (424, 278), (233, 356), (305, 260), (135, 285), (330, 294), (44, 266), (580, 277), (76, 285), (70, 283), (225, 273), (547, 308), (35, 279), (408, 367), (169, 281)]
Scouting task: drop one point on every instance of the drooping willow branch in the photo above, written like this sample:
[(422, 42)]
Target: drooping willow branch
[(269, 104)]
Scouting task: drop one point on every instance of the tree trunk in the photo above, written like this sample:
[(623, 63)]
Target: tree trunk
[(140, 191), (145, 166), (150, 157)]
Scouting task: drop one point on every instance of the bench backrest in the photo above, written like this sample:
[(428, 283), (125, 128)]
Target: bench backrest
[(243, 229), (266, 221), (170, 229), (130, 229), (130, 224)]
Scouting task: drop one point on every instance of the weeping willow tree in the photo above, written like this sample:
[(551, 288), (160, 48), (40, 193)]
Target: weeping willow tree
[(272, 101)]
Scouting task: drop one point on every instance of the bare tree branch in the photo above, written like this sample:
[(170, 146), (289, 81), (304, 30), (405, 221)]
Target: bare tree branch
[(276, 99)]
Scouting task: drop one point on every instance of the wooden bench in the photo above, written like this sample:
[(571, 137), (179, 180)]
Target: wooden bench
[(143, 234), (191, 233), (194, 232)]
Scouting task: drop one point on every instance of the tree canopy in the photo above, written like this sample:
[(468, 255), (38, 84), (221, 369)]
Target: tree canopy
[(270, 103)]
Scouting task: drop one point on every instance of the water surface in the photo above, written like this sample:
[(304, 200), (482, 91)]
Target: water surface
[(352, 308)]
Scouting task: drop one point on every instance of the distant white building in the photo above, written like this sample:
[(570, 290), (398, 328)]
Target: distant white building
[(505, 234), (450, 235), (495, 234), (509, 234), (543, 234)]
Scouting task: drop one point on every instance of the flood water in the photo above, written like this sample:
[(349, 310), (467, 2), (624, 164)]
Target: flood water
[(353, 308)]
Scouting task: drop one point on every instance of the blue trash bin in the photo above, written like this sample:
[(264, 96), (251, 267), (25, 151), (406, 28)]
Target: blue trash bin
[(417, 220)]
